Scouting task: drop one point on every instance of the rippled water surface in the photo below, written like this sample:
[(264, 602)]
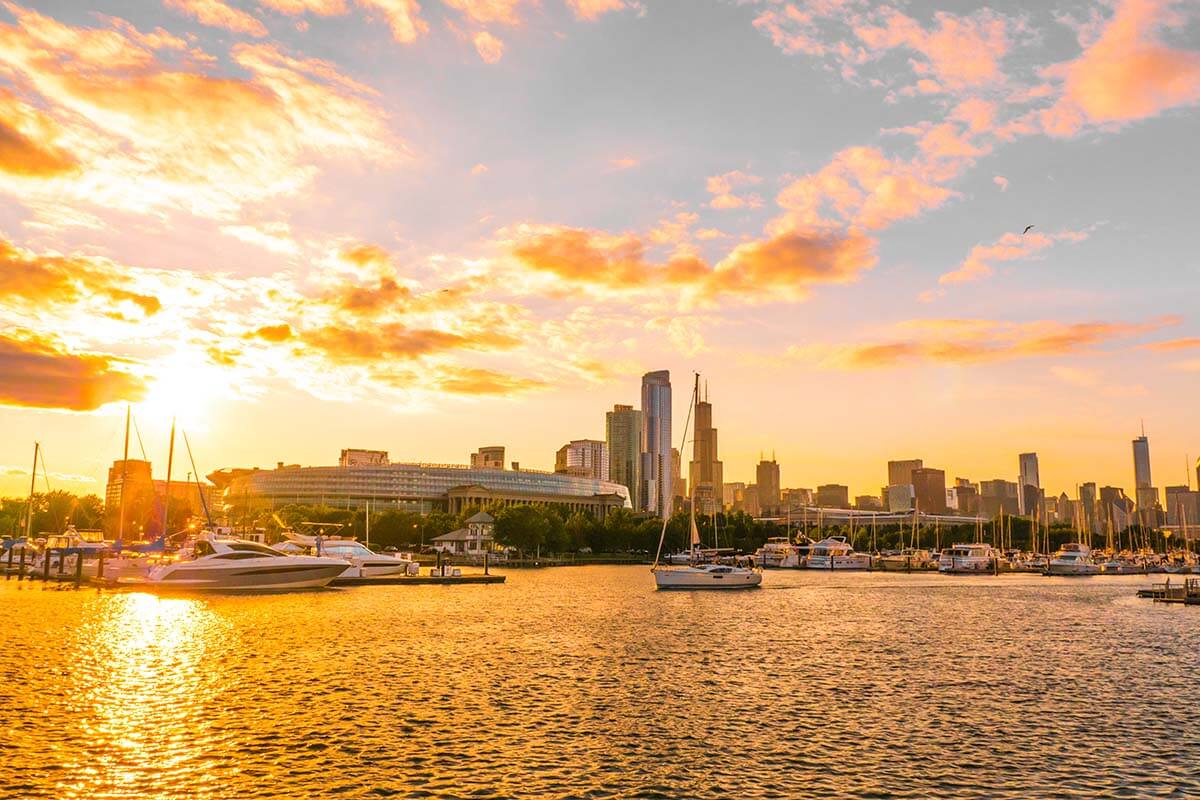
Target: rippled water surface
[(584, 682)]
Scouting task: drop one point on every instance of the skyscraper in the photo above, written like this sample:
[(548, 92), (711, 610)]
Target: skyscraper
[(584, 457), (900, 472), (1144, 492), (658, 480), (704, 471), (1029, 496), (929, 485), (623, 433), (767, 480)]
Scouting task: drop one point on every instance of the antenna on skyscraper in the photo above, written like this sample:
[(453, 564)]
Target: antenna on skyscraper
[(1143, 427)]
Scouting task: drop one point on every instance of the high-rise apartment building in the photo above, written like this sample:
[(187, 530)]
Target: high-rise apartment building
[(658, 479), (833, 495), (900, 472), (705, 474), (623, 433), (1145, 494), (1088, 498), (1183, 509), (586, 458), (767, 480), (997, 495), (929, 486)]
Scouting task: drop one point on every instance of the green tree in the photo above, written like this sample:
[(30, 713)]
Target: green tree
[(523, 527)]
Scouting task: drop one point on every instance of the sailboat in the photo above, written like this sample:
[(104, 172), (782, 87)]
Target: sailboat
[(697, 575)]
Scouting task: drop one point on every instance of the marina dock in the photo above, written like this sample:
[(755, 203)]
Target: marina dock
[(1186, 592)]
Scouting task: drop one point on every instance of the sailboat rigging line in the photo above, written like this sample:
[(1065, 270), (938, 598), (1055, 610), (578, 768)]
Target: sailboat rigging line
[(199, 490), (683, 446), (141, 446)]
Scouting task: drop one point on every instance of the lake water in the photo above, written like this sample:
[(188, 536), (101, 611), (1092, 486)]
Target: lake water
[(585, 682)]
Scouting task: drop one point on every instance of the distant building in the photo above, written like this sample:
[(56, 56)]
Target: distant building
[(584, 457), (1029, 501), (488, 458), (833, 495), (1145, 494), (900, 497), (623, 433), (680, 493), (705, 471), (1183, 507), (1088, 499), (929, 486), (733, 493), (767, 479), (658, 475), (996, 495), (367, 458), (868, 502), (750, 502), (475, 539), (967, 495), (900, 472), (791, 498), (144, 498)]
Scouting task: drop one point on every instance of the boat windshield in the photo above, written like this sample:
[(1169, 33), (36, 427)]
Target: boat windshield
[(251, 547), (346, 549)]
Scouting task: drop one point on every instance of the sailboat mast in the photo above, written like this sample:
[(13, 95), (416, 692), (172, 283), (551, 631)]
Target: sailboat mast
[(124, 477), (37, 448), (167, 492), (682, 446)]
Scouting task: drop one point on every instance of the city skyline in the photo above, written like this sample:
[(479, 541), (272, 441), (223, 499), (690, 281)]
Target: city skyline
[(251, 216)]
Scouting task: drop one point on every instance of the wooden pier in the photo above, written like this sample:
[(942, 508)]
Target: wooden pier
[(1186, 592)]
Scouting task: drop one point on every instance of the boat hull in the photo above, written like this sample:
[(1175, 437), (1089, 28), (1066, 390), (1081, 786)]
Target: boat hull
[(248, 578), (840, 563), (684, 579)]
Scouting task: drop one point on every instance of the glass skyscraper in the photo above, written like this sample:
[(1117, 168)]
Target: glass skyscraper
[(658, 476)]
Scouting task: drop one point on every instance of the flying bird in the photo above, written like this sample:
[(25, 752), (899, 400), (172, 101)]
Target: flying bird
[(1028, 228)]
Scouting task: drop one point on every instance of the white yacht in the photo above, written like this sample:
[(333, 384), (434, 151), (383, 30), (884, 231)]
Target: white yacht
[(1073, 558), (835, 553), (707, 576), (224, 564), (969, 559), (908, 559), (778, 553), (364, 564)]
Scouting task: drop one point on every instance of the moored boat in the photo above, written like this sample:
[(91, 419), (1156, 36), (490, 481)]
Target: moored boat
[(835, 553), (969, 559), (906, 560), (778, 552), (1073, 558), (217, 563)]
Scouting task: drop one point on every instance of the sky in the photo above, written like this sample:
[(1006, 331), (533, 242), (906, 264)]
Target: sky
[(303, 225)]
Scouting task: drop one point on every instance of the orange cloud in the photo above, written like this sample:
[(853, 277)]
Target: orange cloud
[(862, 187), (156, 137), (1002, 182), (26, 152), (345, 344), (35, 372), (594, 9), (477, 381), (722, 188), (50, 280), (782, 266), (218, 14), (623, 163), (1128, 73), (490, 49), (484, 12), (964, 342), (273, 333), (1174, 345), (981, 261)]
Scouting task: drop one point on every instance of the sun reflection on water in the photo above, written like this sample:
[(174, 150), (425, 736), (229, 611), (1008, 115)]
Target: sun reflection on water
[(140, 682)]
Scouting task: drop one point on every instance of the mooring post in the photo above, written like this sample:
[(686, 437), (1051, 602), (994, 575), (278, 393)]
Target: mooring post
[(8, 572), (46, 565), (100, 567), (439, 562), (485, 563), (62, 555), (78, 569), (21, 569)]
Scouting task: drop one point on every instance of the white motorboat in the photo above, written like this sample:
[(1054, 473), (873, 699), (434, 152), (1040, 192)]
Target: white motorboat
[(1073, 558), (365, 564), (906, 560), (778, 552), (225, 564), (835, 553), (1118, 565), (969, 559)]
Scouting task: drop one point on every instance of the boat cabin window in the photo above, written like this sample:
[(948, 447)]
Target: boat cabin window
[(202, 548), (236, 556), (251, 547)]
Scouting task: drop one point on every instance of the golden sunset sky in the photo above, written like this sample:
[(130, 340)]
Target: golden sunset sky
[(302, 225)]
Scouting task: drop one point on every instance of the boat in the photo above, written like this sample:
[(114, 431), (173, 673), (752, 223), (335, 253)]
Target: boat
[(219, 563), (714, 575), (362, 562), (1122, 565), (969, 559), (1073, 558), (906, 560), (834, 553), (778, 552)]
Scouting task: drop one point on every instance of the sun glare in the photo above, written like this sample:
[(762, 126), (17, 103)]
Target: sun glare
[(184, 390)]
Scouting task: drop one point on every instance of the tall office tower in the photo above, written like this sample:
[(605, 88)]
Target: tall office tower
[(767, 480), (623, 433), (680, 493), (1144, 492), (929, 485), (1087, 506), (995, 495), (833, 495), (658, 479), (1030, 482), (900, 472), (705, 471), (587, 458), (488, 458)]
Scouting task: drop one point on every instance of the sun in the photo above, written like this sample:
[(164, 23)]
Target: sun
[(185, 389)]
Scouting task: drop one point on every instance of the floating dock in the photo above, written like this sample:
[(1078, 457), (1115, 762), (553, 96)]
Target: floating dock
[(1186, 592)]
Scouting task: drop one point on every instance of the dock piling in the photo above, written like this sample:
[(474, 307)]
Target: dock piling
[(21, 567), (100, 567), (78, 569), (8, 571), (46, 565)]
